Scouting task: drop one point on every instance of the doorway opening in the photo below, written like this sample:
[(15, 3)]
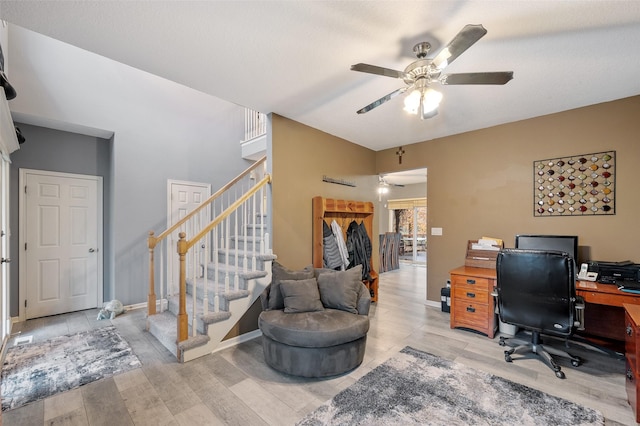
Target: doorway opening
[(410, 221)]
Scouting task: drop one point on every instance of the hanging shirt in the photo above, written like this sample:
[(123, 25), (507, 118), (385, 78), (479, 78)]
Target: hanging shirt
[(342, 246)]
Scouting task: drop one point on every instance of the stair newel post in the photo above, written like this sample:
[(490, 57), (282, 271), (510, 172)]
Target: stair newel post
[(151, 299), (183, 321)]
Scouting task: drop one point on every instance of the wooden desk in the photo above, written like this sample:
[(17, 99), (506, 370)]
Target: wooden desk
[(604, 314)]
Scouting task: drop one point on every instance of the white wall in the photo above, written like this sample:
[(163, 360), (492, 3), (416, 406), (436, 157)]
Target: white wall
[(161, 130)]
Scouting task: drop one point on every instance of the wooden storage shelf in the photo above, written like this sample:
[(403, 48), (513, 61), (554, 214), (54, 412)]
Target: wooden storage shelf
[(343, 212)]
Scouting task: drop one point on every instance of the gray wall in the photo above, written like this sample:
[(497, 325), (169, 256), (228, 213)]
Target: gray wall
[(58, 151), (161, 130)]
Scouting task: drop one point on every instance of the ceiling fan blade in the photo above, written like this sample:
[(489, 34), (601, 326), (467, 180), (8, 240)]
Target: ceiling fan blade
[(461, 42), (383, 99), (373, 69), (501, 77)]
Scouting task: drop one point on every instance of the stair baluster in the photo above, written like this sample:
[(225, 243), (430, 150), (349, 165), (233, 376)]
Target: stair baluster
[(208, 262)]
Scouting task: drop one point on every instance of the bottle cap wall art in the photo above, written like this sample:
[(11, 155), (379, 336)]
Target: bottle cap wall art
[(580, 185)]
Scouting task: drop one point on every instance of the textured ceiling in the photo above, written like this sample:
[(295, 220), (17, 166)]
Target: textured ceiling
[(293, 58)]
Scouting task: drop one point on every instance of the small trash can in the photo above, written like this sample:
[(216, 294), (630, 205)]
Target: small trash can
[(508, 329), (445, 299)]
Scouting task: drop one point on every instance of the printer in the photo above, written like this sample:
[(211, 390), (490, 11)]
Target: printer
[(625, 273)]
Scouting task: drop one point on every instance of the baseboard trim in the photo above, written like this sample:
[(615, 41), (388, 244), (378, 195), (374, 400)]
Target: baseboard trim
[(143, 305), (433, 304), (225, 344)]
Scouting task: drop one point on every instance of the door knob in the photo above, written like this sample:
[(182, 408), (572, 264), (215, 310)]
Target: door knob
[(91, 250)]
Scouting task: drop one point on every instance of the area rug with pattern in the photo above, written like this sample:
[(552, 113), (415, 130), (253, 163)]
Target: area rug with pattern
[(38, 370), (415, 387)]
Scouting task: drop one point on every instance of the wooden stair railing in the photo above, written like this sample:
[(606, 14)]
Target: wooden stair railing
[(227, 200), (185, 245)]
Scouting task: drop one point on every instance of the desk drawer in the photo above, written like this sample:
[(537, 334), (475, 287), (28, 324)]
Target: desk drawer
[(475, 282), (631, 385), (472, 315), (470, 294), (631, 341), (608, 299)]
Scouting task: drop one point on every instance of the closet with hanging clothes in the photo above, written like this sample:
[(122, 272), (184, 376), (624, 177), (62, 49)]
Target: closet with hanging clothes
[(342, 238)]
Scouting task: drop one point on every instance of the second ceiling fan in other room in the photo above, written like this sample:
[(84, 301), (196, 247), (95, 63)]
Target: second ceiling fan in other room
[(420, 74)]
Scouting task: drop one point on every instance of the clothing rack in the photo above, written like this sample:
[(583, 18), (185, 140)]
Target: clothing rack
[(343, 212)]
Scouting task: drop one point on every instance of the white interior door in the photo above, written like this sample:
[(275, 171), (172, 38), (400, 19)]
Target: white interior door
[(184, 197), (62, 236)]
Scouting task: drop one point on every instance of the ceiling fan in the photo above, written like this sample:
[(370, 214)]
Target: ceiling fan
[(382, 181), (420, 74)]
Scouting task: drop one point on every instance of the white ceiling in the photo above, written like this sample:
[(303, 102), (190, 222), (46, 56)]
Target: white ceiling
[(293, 58)]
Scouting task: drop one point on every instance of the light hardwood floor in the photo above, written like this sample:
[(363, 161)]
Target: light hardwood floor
[(234, 386)]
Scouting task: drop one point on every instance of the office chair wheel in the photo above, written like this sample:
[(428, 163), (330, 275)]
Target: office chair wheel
[(501, 342), (507, 356), (560, 374), (576, 362)]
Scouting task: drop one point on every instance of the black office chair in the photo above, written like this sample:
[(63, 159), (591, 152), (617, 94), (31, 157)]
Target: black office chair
[(536, 292)]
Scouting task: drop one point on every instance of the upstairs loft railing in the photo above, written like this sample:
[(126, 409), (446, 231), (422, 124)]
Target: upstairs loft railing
[(236, 212), (255, 124)]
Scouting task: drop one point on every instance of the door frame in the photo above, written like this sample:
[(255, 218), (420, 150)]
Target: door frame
[(22, 293), (5, 251)]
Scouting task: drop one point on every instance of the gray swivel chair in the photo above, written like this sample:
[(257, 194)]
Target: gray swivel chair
[(536, 292)]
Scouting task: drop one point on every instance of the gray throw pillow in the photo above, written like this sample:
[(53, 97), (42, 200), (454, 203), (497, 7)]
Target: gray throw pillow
[(280, 273), (301, 296), (340, 289)]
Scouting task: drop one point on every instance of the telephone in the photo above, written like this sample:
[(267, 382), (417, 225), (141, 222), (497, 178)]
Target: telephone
[(585, 274)]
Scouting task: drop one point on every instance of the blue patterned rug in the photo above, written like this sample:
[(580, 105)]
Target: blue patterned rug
[(38, 370), (415, 387)]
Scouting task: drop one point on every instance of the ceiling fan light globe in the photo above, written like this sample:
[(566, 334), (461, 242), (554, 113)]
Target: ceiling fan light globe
[(412, 102), (431, 101)]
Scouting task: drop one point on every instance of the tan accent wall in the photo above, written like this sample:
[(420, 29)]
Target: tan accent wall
[(481, 183), (301, 156)]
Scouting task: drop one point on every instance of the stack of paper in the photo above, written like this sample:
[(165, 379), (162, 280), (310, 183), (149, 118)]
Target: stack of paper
[(487, 244)]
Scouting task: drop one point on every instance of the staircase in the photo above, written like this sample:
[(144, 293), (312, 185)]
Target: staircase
[(223, 267)]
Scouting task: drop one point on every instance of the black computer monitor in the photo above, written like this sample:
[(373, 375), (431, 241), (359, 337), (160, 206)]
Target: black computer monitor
[(565, 243)]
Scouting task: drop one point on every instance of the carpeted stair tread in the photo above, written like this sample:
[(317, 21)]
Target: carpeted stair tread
[(163, 326), (193, 342), (249, 254), (242, 274), (234, 295), (175, 300), (210, 285), (214, 317)]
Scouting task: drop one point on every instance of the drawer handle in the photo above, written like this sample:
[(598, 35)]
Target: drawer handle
[(629, 375), (471, 281), (471, 309), (629, 330), (471, 295)]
